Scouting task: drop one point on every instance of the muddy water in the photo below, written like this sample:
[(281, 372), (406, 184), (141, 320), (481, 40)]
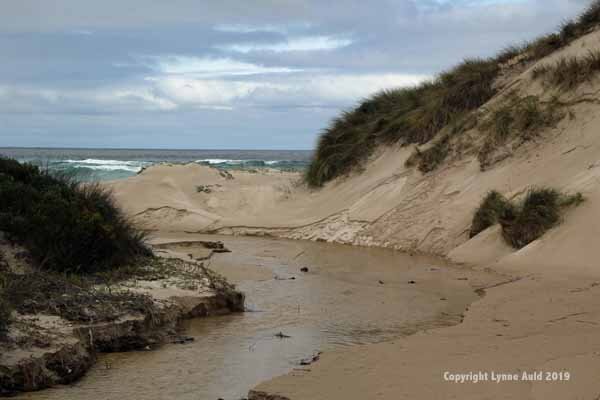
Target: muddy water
[(349, 296)]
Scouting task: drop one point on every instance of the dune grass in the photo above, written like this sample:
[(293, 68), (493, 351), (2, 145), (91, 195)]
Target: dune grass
[(407, 115), (5, 308), (418, 114), (5, 315), (569, 72), (430, 159), (493, 208), (526, 221), (66, 226), (517, 118)]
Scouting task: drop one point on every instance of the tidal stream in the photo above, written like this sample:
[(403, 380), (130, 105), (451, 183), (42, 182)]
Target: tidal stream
[(349, 296)]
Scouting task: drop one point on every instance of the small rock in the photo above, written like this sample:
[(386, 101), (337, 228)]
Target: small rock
[(380, 282), (304, 269), (412, 282)]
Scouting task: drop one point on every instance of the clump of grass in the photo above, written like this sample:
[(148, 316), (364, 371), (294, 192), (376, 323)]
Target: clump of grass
[(493, 208), (520, 118), (66, 226), (539, 212), (430, 159), (523, 223), (569, 72)]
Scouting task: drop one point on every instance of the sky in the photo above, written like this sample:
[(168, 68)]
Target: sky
[(225, 74)]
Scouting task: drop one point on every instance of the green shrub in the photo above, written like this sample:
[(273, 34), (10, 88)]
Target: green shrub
[(521, 224), (65, 225), (492, 209)]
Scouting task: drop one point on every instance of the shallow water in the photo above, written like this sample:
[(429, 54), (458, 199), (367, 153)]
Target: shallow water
[(339, 302)]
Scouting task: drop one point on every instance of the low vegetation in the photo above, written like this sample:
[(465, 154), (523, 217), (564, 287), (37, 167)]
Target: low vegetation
[(430, 159), (5, 308), (419, 114), (523, 222), (72, 298), (408, 115), (517, 118), (65, 226), (493, 208), (569, 72)]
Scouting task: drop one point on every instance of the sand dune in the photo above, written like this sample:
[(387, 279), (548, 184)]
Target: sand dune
[(545, 318)]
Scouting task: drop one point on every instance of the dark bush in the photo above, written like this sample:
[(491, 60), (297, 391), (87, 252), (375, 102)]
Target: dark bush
[(521, 224), (493, 208), (539, 212), (5, 314), (65, 225), (5, 308)]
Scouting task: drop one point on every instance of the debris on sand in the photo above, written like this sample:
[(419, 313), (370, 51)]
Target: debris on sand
[(310, 360), (282, 335)]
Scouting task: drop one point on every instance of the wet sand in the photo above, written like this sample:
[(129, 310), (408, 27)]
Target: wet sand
[(349, 296)]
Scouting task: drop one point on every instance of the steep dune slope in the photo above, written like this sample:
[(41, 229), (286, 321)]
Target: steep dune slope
[(388, 204)]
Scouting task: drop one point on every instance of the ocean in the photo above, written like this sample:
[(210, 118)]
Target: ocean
[(110, 164)]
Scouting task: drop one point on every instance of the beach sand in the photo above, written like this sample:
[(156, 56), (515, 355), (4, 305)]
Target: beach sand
[(545, 316)]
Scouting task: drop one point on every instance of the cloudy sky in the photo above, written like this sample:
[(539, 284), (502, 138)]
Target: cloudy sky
[(250, 74)]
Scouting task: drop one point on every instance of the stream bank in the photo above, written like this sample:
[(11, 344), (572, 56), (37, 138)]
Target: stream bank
[(346, 298), (62, 326)]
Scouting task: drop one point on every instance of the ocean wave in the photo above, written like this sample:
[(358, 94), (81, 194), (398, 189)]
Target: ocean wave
[(250, 163), (94, 161), (94, 164), (108, 167), (220, 161)]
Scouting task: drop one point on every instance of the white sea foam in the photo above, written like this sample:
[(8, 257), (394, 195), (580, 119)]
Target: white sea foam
[(94, 161), (110, 167), (228, 161), (106, 165)]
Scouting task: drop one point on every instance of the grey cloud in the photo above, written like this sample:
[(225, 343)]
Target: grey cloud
[(98, 73)]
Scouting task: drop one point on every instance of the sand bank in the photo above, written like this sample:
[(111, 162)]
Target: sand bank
[(42, 350), (544, 318)]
